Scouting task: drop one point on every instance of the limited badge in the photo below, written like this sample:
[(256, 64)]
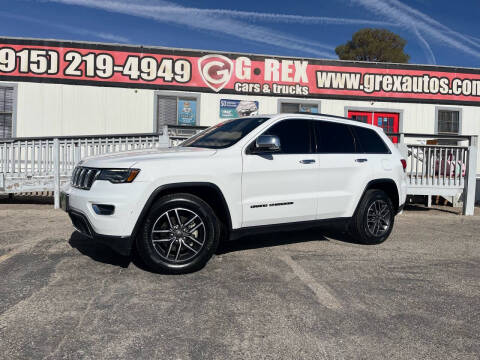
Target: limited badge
[(216, 71)]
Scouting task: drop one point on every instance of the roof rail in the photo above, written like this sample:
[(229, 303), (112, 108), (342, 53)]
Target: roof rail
[(321, 114)]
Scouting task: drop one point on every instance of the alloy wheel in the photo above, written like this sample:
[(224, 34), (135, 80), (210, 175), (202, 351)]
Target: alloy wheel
[(378, 218), (178, 235)]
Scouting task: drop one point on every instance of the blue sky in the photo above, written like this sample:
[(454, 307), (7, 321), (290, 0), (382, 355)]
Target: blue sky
[(442, 32)]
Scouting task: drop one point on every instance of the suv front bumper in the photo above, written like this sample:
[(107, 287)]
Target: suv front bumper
[(121, 245), (115, 230)]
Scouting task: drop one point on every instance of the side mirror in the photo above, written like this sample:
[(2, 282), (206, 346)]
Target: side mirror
[(268, 143)]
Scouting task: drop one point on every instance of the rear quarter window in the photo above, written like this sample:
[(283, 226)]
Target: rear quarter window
[(369, 141)]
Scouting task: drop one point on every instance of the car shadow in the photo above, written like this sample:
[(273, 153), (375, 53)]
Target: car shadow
[(26, 199), (434, 208), (97, 251), (272, 239), (103, 254)]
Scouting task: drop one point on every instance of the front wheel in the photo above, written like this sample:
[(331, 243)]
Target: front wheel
[(373, 220), (180, 234)]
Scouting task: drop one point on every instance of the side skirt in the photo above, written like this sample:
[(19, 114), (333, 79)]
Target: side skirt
[(262, 229)]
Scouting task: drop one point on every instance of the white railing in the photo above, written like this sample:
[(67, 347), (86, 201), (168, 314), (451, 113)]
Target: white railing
[(36, 157), (443, 170), (436, 165), (178, 134), (43, 164)]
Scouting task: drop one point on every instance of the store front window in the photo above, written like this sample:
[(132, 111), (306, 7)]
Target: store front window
[(292, 107), (176, 110), (448, 123), (6, 112)]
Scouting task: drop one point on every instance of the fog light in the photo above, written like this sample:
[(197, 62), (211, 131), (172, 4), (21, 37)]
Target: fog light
[(101, 209)]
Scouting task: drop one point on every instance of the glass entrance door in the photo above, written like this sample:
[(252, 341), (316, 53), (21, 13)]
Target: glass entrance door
[(389, 122)]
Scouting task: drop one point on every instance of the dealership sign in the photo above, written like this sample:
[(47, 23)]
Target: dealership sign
[(163, 68)]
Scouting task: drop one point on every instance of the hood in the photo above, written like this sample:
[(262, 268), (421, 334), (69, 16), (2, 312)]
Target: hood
[(127, 159)]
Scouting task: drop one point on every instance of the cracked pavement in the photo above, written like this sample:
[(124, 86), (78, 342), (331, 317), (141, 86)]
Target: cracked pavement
[(298, 295)]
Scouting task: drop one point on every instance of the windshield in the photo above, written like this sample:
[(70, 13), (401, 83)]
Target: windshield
[(224, 134)]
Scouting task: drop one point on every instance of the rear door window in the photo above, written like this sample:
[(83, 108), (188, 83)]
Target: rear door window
[(369, 141), (334, 138)]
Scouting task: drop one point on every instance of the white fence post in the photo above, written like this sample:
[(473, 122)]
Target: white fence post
[(77, 156), (470, 178), (56, 172), (165, 138)]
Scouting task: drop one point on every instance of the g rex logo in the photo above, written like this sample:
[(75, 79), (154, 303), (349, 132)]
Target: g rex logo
[(216, 71)]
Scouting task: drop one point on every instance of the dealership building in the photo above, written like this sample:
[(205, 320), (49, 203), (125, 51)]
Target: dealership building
[(59, 88)]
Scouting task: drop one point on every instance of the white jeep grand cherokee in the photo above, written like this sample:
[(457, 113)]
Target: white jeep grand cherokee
[(241, 176)]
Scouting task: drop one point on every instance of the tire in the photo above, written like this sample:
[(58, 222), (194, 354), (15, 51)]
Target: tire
[(169, 247), (373, 220)]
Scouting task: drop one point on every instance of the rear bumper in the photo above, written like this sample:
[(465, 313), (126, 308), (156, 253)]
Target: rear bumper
[(120, 244)]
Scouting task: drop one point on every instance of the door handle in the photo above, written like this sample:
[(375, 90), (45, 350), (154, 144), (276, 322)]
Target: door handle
[(307, 161), (361, 160)]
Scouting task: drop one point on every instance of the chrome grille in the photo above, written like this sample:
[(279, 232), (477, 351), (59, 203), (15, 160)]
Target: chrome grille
[(83, 177)]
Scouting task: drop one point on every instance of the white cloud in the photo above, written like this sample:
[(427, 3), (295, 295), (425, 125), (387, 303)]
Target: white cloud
[(426, 47), (239, 24), (162, 12), (436, 24), (67, 28), (280, 18), (476, 40), (420, 23)]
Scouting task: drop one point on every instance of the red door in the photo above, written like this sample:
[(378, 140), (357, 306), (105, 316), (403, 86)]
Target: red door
[(362, 116), (387, 121)]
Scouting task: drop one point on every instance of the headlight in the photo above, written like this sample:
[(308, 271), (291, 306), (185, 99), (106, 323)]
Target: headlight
[(118, 176)]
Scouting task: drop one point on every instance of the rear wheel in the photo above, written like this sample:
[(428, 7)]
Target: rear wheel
[(374, 218), (180, 234)]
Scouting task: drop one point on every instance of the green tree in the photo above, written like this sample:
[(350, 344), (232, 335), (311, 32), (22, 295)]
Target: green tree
[(379, 45)]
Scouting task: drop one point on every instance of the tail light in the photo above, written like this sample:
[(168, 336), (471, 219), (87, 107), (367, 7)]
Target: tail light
[(404, 164)]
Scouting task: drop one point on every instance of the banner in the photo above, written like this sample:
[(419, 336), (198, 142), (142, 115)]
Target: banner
[(230, 109), (187, 112), (176, 69)]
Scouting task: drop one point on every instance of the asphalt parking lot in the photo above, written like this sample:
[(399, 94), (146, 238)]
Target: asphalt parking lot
[(299, 295)]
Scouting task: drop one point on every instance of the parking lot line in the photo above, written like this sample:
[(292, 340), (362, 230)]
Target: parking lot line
[(19, 249), (324, 297), (7, 256)]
